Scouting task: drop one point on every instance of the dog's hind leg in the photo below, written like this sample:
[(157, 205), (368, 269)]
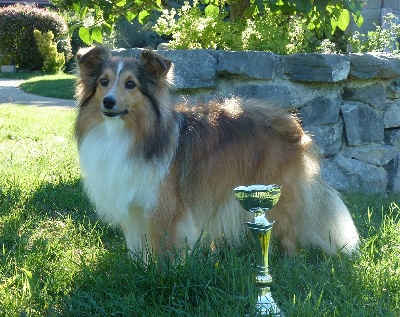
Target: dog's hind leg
[(286, 216)]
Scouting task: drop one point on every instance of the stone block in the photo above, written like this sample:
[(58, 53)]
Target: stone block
[(275, 93), (374, 65), (351, 175), (374, 95), (316, 67), (393, 171), (260, 65), (321, 110), (333, 175), (393, 89), (328, 138), (392, 137), (363, 124), (8, 69), (372, 154), (193, 69), (392, 115)]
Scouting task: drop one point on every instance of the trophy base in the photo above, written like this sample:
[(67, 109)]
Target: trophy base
[(266, 305)]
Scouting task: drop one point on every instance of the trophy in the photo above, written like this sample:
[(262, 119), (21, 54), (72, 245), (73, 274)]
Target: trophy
[(258, 199)]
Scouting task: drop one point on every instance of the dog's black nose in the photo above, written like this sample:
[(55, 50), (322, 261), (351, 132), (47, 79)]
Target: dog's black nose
[(109, 102)]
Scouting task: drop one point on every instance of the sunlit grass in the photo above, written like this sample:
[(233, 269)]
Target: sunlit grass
[(57, 259), (56, 86)]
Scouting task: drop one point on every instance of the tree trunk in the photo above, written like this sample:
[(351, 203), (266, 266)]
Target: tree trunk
[(237, 9)]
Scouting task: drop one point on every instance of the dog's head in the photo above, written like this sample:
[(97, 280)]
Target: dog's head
[(117, 87)]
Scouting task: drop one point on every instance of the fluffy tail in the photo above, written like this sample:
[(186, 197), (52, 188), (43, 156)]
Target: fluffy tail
[(326, 221), (310, 212)]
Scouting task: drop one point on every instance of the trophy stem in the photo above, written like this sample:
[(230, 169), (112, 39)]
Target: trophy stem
[(261, 232)]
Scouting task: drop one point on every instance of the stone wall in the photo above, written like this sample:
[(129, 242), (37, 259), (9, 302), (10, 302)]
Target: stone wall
[(350, 104)]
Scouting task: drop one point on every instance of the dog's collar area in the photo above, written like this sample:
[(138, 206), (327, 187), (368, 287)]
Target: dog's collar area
[(115, 114)]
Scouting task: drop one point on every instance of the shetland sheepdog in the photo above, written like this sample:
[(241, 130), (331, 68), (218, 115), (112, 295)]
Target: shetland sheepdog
[(165, 173)]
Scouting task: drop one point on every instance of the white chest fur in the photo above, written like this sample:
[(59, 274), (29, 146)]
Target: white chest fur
[(114, 179)]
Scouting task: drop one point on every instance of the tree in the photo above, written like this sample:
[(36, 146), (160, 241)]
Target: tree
[(105, 14), (324, 16)]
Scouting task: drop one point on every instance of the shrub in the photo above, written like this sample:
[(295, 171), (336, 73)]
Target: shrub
[(191, 27), (53, 61), (17, 41)]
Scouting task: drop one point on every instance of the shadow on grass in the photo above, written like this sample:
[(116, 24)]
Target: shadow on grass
[(61, 199), (23, 76), (207, 284), (111, 283)]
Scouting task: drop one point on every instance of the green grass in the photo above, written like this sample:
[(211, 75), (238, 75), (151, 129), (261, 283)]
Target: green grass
[(37, 83), (56, 86), (57, 259)]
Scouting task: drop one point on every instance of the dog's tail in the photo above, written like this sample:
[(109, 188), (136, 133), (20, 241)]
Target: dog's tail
[(326, 222), (310, 211)]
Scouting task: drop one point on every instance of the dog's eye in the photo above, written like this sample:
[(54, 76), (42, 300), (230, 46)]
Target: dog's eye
[(130, 85), (104, 82)]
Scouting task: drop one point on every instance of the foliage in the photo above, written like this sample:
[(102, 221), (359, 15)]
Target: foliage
[(133, 34), (58, 259), (190, 28), (71, 18), (322, 16), (17, 41), (53, 61), (105, 14), (384, 38)]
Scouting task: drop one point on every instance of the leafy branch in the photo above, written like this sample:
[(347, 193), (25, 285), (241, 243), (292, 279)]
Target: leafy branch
[(322, 16)]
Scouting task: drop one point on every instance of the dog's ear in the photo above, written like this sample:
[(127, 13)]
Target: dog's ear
[(154, 64), (91, 59)]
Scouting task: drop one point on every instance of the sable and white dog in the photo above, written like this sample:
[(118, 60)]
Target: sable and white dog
[(166, 173)]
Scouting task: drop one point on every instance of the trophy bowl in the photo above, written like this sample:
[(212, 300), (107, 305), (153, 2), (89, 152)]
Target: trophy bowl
[(255, 197)]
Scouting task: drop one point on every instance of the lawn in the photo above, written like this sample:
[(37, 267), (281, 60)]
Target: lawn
[(56, 86), (57, 259)]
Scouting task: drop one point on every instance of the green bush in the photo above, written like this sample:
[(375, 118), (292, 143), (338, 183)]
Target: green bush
[(53, 61), (17, 41), (191, 27)]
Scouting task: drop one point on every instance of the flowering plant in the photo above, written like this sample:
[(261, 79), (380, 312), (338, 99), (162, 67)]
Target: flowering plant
[(193, 28)]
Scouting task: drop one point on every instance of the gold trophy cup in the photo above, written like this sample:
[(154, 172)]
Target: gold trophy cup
[(258, 199)]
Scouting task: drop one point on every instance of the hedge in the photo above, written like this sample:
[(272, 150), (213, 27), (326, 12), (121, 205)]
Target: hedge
[(17, 42)]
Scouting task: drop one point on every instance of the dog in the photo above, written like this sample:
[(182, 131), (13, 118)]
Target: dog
[(165, 174)]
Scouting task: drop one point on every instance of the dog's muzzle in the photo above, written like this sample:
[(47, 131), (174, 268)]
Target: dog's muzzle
[(109, 107)]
